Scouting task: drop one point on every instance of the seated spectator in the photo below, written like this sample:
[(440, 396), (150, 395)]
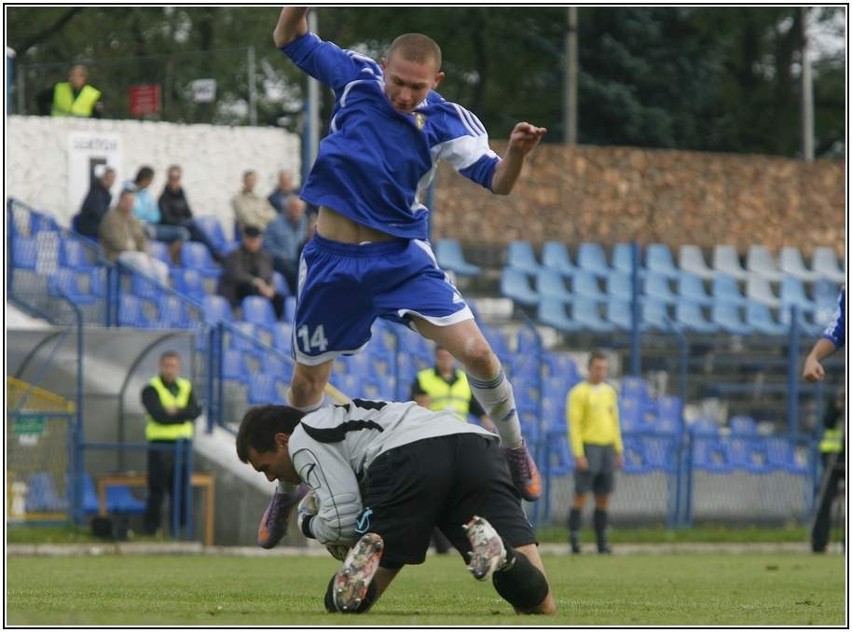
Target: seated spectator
[(248, 272), (123, 239), (249, 208), (283, 192), (283, 237), (147, 211), (175, 211), (96, 205)]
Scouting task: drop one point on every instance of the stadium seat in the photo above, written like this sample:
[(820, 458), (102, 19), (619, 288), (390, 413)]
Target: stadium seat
[(211, 225), (350, 385), (450, 257), (657, 287), (635, 387), (711, 455), (282, 337), (825, 264), (120, 500), (727, 317), (194, 255), (691, 287), (160, 251), (24, 252), (280, 283), (660, 454), (591, 258), (691, 260), (703, 426), (747, 454), (631, 413), (825, 301), (725, 289), (552, 312), (216, 309), (584, 285), (689, 315), (263, 389), (743, 426), (65, 281), (618, 312), (549, 284), (587, 313), (760, 261), (560, 363), (378, 387), (173, 314), (781, 456), (726, 260), (792, 265), (658, 258), (669, 413), (234, 366), (622, 259), (258, 310), (73, 254), (793, 293), (634, 455), (42, 495), (243, 335), (619, 285), (554, 255), (655, 315), (275, 365), (759, 318), (522, 257), (143, 286), (759, 290), (189, 283), (515, 285)]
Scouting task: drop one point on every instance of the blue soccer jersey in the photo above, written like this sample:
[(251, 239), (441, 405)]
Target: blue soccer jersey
[(836, 330), (376, 162)]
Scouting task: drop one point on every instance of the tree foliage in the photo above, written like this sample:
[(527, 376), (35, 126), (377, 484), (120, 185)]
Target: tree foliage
[(720, 79)]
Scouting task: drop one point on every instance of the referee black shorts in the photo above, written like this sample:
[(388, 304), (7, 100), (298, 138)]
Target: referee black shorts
[(440, 482)]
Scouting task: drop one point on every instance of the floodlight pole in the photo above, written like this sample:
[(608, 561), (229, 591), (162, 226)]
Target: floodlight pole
[(807, 93), (571, 64)]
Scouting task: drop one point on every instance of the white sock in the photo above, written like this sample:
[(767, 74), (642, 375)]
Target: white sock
[(497, 397)]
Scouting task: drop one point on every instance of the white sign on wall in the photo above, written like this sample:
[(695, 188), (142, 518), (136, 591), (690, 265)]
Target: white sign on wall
[(204, 90), (89, 153)]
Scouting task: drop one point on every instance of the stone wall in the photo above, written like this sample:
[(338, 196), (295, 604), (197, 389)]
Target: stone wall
[(620, 194)]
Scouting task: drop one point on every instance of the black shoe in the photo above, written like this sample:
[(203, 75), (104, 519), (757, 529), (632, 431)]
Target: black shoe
[(604, 550)]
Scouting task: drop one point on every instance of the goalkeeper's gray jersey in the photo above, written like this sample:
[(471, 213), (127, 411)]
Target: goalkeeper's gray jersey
[(333, 447)]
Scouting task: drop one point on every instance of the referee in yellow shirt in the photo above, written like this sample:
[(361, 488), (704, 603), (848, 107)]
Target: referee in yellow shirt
[(592, 412)]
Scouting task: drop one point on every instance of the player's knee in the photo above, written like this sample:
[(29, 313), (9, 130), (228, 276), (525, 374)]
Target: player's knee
[(479, 359), (304, 390), (523, 585), (369, 599)]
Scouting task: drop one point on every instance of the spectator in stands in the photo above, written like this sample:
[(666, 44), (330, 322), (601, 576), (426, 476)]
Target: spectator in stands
[(171, 409), (283, 191), (123, 239), (175, 211), (595, 435), (382, 476), (147, 211), (249, 208), (96, 204), (75, 97), (283, 237), (445, 387), (248, 272), (833, 442)]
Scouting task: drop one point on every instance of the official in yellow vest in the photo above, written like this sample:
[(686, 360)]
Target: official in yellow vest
[(595, 435), (171, 409), (76, 97)]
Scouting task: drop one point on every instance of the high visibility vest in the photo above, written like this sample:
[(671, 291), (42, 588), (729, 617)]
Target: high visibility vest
[(64, 103), (155, 431), (832, 441), (454, 397)]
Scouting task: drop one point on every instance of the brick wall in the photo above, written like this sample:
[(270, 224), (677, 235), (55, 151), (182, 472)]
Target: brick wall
[(618, 194)]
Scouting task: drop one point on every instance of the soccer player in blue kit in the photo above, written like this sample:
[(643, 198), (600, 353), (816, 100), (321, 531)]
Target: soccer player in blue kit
[(370, 256)]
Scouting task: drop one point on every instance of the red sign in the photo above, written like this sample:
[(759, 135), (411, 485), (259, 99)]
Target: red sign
[(145, 99)]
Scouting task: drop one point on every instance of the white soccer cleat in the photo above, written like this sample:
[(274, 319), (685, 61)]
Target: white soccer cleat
[(487, 552), (354, 577)]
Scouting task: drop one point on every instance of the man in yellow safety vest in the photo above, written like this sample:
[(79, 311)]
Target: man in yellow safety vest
[(171, 410), (76, 97)]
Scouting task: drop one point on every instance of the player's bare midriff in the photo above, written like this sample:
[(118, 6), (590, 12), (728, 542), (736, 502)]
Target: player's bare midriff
[(333, 225)]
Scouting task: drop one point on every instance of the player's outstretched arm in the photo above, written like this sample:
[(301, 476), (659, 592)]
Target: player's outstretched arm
[(292, 23), (522, 140)]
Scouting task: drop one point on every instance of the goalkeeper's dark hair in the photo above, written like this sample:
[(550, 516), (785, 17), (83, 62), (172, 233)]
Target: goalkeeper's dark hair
[(260, 424)]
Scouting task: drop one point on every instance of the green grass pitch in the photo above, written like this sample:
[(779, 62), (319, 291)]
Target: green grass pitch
[(705, 589)]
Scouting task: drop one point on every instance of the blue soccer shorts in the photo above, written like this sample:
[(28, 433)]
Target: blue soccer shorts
[(343, 288)]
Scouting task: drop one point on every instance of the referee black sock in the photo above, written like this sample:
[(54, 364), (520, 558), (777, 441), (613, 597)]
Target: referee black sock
[(600, 523), (574, 528)]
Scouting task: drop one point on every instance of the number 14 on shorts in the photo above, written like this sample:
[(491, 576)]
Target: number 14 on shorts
[(311, 342)]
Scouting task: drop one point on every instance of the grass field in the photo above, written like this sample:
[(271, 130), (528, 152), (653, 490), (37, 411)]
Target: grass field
[(205, 590)]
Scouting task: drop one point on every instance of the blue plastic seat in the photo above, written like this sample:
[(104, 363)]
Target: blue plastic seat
[(42, 495), (635, 387), (211, 225), (660, 454), (781, 456), (726, 260), (216, 309), (282, 337), (704, 427), (91, 504), (73, 254), (743, 425), (655, 315), (826, 265), (522, 257), (242, 335), (120, 500), (160, 251), (276, 366), (450, 257), (350, 384), (587, 313), (657, 287), (690, 316), (748, 454), (515, 285), (758, 289), (584, 284), (669, 413), (24, 253), (173, 313), (691, 260), (591, 258), (189, 283), (65, 281), (131, 312), (631, 413), (619, 285), (258, 310), (234, 366), (658, 258), (711, 455), (759, 318), (280, 283), (634, 454), (761, 262), (378, 387), (143, 286), (195, 255), (727, 317), (618, 312), (622, 259), (790, 263), (793, 293), (691, 287), (549, 284), (552, 312), (560, 363), (263, 389), (554, 255), (725, 289)]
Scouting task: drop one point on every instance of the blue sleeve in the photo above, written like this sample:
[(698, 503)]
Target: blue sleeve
[(463, 143), (328, 63), (836, 330)]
